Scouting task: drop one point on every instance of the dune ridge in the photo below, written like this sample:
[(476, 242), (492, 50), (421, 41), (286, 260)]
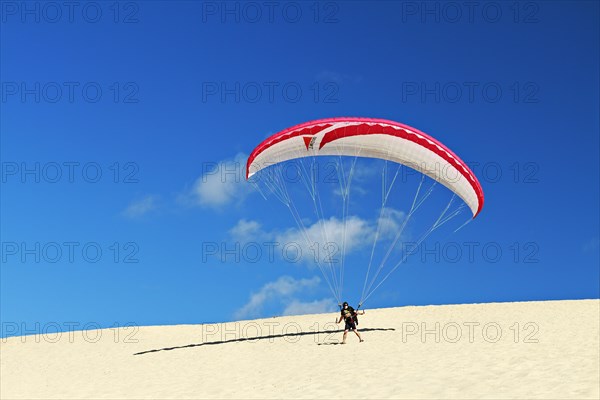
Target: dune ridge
[(544, 349)]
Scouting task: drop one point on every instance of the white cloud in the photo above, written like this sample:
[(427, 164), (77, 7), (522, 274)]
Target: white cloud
[(221, 184), (297, 307), (141, 207), (325, 237), (357, 234), (328, 235), (247, 231), (279, 290)]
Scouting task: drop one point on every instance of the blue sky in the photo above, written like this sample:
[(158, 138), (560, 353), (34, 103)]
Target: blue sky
[(122, 113)]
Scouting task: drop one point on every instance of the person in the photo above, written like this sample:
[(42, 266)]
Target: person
[(348, 314)]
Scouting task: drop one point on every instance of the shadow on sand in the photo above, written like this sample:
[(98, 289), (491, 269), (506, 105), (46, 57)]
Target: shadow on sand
[(250, 339)]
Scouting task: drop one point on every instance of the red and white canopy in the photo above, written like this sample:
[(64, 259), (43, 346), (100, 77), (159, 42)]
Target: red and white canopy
[(374, 138)]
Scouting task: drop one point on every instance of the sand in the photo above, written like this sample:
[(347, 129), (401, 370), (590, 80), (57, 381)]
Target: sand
[(546, 349)]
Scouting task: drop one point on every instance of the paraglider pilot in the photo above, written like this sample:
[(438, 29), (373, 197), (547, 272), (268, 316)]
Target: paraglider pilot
[(348, 314)]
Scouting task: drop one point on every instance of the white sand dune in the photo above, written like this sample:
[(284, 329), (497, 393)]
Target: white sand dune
[(544, 349)]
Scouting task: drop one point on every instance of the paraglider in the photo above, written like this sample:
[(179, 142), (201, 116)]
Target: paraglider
[(349, 316), (344, 141)]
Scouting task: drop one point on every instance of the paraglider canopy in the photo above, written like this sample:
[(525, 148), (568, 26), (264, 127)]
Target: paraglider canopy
[(375, 138)]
